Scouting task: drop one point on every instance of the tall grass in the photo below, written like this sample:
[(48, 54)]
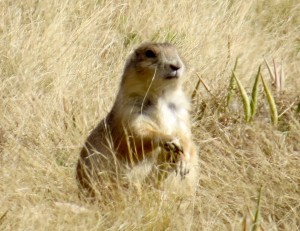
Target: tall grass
[(60, 65)]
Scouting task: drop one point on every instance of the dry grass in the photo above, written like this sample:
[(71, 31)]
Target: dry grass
[(60, 64)]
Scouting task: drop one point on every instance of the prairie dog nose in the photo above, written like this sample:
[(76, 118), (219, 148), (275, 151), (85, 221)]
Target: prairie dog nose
[(175, 67)]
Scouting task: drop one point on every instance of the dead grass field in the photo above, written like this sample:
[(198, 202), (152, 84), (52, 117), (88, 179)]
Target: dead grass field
[(60, 65)]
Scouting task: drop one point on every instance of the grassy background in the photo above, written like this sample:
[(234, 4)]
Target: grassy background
[(60, 65)]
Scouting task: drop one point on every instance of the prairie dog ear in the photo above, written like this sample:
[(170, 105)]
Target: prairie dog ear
[(137, 53), (136, 49)]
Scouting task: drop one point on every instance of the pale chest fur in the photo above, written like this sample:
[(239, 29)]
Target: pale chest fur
[(173, 114)]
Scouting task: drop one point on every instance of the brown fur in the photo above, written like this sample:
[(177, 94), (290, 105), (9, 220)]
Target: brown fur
[(149, 122)]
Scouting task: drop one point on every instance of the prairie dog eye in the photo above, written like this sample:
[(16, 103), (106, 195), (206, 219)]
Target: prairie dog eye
[(150, 54)]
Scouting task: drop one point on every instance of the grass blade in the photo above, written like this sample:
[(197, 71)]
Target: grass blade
[(207, 88), (298, 108), (245, 99), (271, 101), (270, 71), (3, 216), (277, 77), (231, 84), (253, 103), (197, 86), (281, 77), (196, 89), (257, 214)]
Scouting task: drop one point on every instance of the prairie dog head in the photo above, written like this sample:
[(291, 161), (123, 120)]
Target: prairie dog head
[(154, 65)]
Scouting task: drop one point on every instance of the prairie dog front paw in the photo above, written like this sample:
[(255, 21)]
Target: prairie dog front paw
[(173, 146)]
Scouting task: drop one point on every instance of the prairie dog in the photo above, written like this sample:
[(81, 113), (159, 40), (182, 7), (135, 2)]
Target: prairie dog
[(148, 122)]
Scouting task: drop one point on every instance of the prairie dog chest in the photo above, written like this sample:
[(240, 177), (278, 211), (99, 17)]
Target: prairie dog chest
[(172, 117)]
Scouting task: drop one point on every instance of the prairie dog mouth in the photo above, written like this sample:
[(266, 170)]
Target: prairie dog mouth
[(172, 77)]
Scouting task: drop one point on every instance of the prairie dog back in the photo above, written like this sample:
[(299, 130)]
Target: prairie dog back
[(149, 122)]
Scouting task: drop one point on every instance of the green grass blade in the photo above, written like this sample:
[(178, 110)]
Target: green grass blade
[(231, 84), (298, 108), (196, 89), (245, 99), (253, 103), (257, 213), (271, 101)]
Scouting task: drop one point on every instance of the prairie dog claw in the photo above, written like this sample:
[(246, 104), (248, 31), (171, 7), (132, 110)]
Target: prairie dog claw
[(181, 165), (182, 168)]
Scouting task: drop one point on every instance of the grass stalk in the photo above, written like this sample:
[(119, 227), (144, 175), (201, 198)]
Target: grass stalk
[(271, 101), (3, 216), (281, 77), (232, 85), (270, 72), (253, 103), (196, 89), (257, 213), (245, 99)]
